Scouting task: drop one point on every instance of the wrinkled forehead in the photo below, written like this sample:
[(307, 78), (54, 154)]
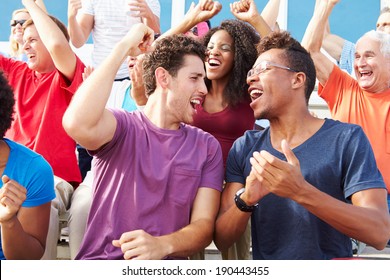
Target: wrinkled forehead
[(368, 44), (30, 32), (383, 19)]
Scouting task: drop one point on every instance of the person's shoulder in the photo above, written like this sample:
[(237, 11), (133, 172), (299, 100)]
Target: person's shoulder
[(342, 127), (25, 152)]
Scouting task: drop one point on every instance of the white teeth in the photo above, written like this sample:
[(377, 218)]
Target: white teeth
[(256, 93), (214, 62), (195, 101)]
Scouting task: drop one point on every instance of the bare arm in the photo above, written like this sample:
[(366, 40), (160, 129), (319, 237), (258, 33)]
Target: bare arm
[(312, 40), (182, 243), (270, 12), (246, 10), (86, 120), (23, 230), (79, 26), (203, 11), (54, 40), (41, 5), (231, 222), (147, 17)]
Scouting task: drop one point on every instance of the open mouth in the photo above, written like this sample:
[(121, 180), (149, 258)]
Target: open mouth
[(195, 102), (255, 93), (213, 62), (365, 73)]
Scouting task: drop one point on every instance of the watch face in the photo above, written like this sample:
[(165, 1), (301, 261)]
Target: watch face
[(240, 191)]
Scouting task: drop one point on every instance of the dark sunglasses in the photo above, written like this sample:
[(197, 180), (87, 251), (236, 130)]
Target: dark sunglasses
[(15, 22)]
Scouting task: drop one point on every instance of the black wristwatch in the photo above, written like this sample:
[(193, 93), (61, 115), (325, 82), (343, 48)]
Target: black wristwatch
[(241, 204)]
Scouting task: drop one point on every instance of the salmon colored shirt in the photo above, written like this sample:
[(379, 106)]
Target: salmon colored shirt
[(349, 103)]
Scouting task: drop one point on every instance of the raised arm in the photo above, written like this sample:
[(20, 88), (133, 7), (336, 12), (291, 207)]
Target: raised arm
[(203, 11), (79, 25), (41, 5), (312, 40), (246, 10), (270, 12), (146, 14), (86, 119), (54, 40)]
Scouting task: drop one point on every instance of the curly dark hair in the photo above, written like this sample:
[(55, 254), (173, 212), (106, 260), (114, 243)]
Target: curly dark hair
[(245, 39), (169, 54), (295, 56), (7, 103)]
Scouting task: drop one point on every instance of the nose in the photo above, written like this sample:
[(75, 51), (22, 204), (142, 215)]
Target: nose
[(251, 79), (360, 61), (25, 45), (203, 88), (214, 51)]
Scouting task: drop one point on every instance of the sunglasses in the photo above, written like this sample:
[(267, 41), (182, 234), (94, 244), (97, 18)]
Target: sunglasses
[(15, 22)]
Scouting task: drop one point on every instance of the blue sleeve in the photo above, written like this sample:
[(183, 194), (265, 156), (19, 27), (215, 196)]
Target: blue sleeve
[(347, 56), (361, 171), (234, 164), (39, 185)]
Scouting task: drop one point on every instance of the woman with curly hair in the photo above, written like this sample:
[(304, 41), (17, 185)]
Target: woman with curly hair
[(231, 52)]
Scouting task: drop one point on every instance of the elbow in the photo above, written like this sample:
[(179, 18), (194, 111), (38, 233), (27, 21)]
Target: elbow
[(381, 236), (76, 43), (69, 123), (221, 241)]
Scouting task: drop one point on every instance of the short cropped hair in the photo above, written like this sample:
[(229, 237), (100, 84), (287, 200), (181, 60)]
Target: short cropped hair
[(169, 54), (295, 56), (7, 103), (59, 23)]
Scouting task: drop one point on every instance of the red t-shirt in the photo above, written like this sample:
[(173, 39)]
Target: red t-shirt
[(349, 103), (226, 126), (41, 101)]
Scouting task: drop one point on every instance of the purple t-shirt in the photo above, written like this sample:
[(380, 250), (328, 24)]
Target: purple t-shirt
[(147, 178)]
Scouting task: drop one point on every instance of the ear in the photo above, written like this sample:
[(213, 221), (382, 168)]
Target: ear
[(162, 77), (298, 80)]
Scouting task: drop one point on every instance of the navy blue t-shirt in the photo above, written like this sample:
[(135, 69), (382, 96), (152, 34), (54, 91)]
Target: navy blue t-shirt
[(338, 160)]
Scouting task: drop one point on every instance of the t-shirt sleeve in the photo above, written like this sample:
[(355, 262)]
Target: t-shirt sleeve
[(212, 173), (40, 186), (332, 91), (77, 78), (234, 164), (361, 171), (347, 56)]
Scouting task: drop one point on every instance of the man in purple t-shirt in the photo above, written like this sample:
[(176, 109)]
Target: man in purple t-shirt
[(157, 181)]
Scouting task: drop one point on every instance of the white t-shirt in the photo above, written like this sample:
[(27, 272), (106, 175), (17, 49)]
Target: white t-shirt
[(111, 24)]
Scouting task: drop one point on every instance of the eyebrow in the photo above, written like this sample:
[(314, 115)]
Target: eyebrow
[(367, 52)]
